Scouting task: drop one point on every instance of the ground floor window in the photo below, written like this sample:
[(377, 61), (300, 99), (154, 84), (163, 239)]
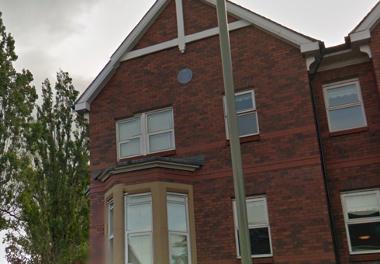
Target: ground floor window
[(362, 217), (158, 223), (258, 225), (139, 227)]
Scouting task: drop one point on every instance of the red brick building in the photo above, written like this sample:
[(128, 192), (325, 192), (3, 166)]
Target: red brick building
[(309, 117)]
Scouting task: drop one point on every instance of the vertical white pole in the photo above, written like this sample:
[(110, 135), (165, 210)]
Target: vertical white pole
[(237, 168)]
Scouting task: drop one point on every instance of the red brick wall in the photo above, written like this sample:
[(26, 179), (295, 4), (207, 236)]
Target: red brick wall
[(353, 160), (375, 48), (283, 163)]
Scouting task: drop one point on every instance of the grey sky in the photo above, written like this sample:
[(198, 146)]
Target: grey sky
[(79, 36)]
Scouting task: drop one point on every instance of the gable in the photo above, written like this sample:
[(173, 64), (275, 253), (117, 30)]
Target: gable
[(161, 23)]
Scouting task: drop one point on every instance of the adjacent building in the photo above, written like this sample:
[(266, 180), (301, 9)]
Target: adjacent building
[(309, 119)]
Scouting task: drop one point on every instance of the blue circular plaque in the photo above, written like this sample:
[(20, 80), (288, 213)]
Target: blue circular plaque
[(185, 76)]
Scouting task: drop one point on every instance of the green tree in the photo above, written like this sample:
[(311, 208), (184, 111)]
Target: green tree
[(17, 98), (52, 201)]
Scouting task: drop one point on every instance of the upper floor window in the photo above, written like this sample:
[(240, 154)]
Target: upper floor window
[(344, 105), (146, 133), (245, 105), (258, 225), (362, 218)]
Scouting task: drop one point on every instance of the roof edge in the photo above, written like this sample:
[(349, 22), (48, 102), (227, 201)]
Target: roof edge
[(84, 101), (306, 44), (369, 21)]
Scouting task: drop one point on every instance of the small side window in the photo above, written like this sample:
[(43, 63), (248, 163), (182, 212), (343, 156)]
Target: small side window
[(344, 106), (246, 114), (258, 225), (362, 218)]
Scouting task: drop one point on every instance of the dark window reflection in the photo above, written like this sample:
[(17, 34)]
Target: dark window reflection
[(260, 243), (365, 237)]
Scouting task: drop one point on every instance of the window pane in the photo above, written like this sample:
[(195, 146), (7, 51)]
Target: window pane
[(247, 124), (346, 118), (365, 237), (178, 249), (260, 243), (257, 214), (110, 220), (160, 121), (343, 95), (160, 142), (129, 129), (139, 217), (110, 252), (130, 148), (244, 102), (140, 249), (365, 205), (177, 217)]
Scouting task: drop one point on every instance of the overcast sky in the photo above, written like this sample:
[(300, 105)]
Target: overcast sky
[(79, 36)]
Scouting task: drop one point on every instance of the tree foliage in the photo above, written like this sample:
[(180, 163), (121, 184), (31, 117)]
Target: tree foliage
[(53, 207), (43, 166), (17, 98)]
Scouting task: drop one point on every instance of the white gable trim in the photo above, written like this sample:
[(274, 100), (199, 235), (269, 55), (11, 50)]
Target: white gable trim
[(305, 44), (268, 25), (187, 39), (180, 26), (362, 32), (370, 21)]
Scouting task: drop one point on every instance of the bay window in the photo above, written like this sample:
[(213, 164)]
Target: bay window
[(179, 246), (138, 228), (110, 232), (158, 223)]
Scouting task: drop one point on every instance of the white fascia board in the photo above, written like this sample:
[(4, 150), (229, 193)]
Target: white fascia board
[(81, 106), (188, 39), (370, 21), (360, 36), (266, 25), (309, 47)]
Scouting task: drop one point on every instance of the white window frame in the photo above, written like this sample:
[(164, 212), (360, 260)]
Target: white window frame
[(144, 135), (110, 233), (341, 84), (236, 227), (140, 232), (187, 234), (252, 110), (348, 221)]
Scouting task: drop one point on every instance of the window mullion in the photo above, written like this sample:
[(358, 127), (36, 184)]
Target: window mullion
[(144, 131)]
